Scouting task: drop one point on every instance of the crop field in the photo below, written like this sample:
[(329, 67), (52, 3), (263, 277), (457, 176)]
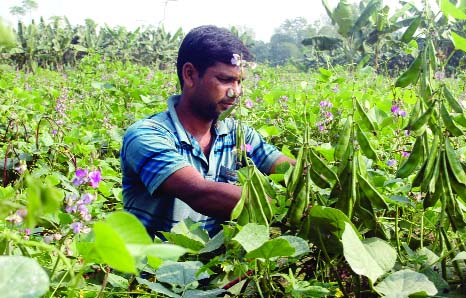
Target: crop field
[(374, 207)]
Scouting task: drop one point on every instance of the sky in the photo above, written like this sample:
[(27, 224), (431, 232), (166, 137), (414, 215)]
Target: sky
[(263, 17)]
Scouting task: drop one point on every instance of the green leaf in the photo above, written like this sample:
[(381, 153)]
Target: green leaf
[(459, 41), (449, 9), (278, 247), (164, 251), (180, 273), (204, 294), (112, 249), (371, 8), (191, 229), (22, 277), (252, 236), (158, 288), (300, 245), (184, 241), (269, 131), (371, 257), (118, 281), (460, 256), (327, 226), (128, 227), (214, 243), (406, 282)]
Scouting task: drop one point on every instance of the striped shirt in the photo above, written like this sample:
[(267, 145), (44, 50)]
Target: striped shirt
[(156, 147)]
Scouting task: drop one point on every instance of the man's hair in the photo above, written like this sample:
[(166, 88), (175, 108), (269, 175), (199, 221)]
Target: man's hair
[(206, 45)]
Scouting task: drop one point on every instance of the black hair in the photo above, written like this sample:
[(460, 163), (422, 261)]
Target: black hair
[(206, 45)]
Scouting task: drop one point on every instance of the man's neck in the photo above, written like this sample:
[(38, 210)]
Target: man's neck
[(192, 123)]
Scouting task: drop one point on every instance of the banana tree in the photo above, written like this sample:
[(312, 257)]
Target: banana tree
[(362, 30)]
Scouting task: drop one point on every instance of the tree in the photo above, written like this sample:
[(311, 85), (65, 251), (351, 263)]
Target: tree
[(27, 6)]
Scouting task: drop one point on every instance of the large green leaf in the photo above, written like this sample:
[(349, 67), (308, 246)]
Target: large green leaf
[(327, 227), (460, 256), (459, 41), (164, 251), (22, 277), (112, 249), (372, 8), (278, 247), (406, 282), (450, 9), (157, 287), (344, 16), (371, 257), (128, 227), (300, 245), (180, 273), (252, 236)]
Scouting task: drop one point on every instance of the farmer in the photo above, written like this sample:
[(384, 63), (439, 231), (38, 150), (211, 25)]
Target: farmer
[(181, 163)]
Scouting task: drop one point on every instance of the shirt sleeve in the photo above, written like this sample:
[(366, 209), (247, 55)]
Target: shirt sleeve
[(150, 152), (262, 154)]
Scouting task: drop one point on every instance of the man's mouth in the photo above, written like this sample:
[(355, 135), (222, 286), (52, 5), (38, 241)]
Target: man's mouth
[(228, 103)]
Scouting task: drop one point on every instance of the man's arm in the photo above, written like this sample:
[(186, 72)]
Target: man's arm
[(280, 160), (216, 199)]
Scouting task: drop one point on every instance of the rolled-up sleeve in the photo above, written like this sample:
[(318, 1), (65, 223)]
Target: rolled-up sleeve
[(150, 152), (262, 154)]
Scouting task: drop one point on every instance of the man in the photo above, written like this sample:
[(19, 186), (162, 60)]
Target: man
[(180, 163)]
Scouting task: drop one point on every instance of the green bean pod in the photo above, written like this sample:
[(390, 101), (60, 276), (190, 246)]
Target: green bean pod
[(411, 75), (449, 124), (343, 140), (320, 167), (454, 162), (365, 120), (371, 193), (365, 145), (413, 160), (420, 124), (454, 104)]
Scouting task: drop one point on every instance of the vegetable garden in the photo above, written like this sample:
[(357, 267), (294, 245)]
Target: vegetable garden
[(375, 205)]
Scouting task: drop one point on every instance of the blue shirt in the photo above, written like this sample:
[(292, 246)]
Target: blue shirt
[(156, 147)]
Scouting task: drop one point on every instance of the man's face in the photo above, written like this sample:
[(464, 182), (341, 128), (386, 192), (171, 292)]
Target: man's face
[(210, 97)]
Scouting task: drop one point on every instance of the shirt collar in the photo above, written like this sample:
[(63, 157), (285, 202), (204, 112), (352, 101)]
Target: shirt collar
[(180, 131)]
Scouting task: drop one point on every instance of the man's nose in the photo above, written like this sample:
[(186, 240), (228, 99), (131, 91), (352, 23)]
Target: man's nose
[(237, 89)]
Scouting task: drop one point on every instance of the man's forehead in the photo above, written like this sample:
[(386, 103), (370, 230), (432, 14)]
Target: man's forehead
[(228, 69)]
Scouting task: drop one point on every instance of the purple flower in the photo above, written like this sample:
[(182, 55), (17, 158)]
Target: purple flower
[(284, 98), (87, 198), (336, 88), (48, 239), (395, 109), (76, 227), (405, 154), (246, 147), (236, 60), (249, 104), (329, 115), (391, 162), (94, 178), (439, 75), (81, 173)]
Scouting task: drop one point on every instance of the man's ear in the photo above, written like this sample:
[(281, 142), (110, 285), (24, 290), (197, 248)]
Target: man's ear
[(189, 74)]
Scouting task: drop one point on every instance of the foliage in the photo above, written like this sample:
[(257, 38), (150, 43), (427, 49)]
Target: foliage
[(375, 205)]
